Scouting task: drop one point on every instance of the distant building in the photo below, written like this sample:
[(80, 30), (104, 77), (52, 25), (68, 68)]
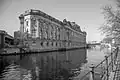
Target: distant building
[(49, 31), (2, 38), (17, 34), (6, 40)]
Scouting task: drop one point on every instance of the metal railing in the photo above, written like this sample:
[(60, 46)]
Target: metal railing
[(103, 69)]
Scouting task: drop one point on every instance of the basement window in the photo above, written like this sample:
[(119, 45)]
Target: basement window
[(41, 43)]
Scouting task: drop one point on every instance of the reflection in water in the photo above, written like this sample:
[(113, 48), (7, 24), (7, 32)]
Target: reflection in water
[(43, 66), (96, 55), (11, 72)]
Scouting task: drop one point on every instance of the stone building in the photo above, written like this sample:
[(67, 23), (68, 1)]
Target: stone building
[(43, 31)]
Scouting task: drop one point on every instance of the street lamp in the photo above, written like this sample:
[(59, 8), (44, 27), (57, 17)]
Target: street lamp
[(112, 43)]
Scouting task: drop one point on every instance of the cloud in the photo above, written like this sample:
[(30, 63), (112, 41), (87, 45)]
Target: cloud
[(4, 4)]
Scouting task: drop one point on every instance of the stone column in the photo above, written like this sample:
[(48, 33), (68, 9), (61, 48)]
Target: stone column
[(21, 18), (41, 29), (54, 31), (50, 31)]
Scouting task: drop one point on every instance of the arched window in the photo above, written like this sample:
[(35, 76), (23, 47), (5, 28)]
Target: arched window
[(56, 44), (47, 43), (52, 43)]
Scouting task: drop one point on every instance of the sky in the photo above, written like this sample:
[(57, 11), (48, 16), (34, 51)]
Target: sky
[(86, 13)]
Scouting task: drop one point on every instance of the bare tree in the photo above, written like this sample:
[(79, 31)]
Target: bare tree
[(111, 27)]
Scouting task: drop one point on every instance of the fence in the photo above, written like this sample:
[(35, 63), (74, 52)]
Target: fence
[(103, 69)]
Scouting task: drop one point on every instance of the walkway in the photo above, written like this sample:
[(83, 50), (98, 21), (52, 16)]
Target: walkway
[(115, 75), (108, 69)]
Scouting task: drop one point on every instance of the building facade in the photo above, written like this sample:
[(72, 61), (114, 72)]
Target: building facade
[(49, 32)]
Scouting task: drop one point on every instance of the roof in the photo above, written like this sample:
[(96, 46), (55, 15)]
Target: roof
[(40, 13), (3, 32), (9, 36), (72, 25)]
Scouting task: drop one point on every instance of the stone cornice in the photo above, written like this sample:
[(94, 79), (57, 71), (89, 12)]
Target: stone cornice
[(40, 13)]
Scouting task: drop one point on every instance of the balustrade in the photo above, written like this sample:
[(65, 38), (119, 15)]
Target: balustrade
[(103, 69)]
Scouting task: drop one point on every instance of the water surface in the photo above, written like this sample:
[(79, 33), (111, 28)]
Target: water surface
[(48, 66)]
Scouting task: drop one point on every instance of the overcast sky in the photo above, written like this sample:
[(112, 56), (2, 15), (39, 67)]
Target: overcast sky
[(86, 13)]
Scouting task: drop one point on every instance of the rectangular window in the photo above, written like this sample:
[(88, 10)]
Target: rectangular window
[(26, 23)]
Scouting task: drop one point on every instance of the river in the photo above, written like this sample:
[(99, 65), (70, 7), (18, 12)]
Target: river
[(49, 66)]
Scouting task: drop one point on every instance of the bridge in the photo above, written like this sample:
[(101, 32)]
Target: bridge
[(108, 69), (92, 44)]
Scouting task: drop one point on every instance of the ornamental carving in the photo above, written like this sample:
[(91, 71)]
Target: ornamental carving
[(72, 25), (33, 24)]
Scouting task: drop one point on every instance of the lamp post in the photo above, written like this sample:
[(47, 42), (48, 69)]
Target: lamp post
[(113, 42)]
